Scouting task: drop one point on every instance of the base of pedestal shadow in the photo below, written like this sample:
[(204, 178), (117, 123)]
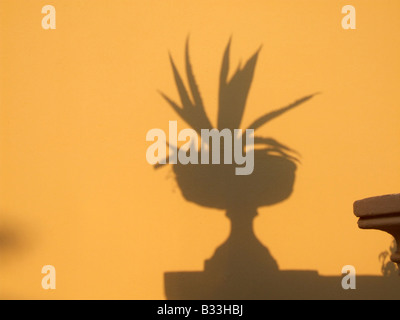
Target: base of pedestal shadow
[(297, 285)]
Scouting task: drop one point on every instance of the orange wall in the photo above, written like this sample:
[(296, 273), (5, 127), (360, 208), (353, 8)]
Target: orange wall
[(77, 102)]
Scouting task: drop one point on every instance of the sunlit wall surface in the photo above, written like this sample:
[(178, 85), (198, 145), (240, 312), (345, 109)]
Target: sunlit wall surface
[(76, 102)]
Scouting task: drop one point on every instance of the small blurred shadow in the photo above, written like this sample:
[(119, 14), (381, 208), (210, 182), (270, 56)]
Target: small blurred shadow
[(13, 239), (389, 268)]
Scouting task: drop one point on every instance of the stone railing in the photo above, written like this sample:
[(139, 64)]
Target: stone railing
[(381, 213)]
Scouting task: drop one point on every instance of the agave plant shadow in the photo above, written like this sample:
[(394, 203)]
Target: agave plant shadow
[(217, 186)]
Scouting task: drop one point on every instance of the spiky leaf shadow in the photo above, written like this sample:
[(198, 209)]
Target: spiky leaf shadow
[(233, 95), (192, 112)]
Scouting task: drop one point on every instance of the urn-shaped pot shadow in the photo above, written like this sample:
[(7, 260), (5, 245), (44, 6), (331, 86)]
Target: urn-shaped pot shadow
[(217, 186)]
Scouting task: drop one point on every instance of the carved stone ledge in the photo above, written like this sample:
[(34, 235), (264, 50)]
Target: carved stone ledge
[(381, 213)]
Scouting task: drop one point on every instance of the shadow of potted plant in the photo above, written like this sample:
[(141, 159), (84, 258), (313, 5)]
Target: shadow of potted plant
[(216, 185)]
